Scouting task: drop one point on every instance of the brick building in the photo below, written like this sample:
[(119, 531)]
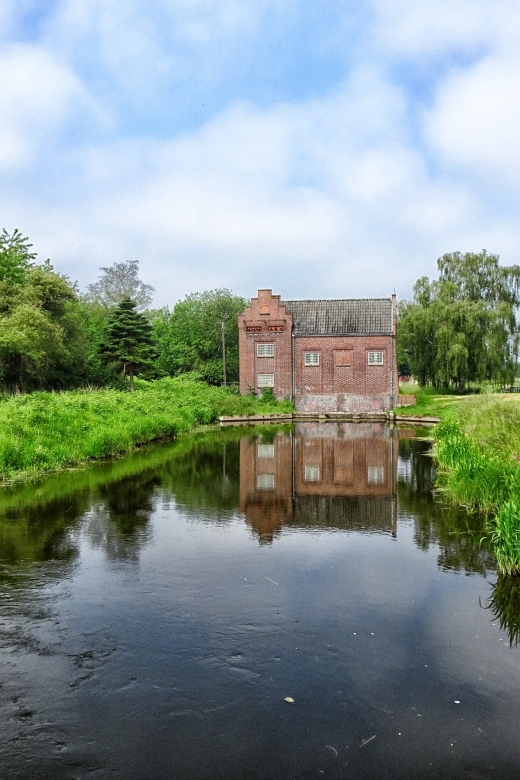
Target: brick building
[(326, 355)]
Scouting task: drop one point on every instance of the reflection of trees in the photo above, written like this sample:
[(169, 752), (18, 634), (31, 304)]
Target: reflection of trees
[(40, 533), (505, 606), (462, 537), (121, 525)]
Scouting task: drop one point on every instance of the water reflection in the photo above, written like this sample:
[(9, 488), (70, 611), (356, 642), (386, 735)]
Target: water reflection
[(504, 604), (178, 661), (462, 539), (331, 475)]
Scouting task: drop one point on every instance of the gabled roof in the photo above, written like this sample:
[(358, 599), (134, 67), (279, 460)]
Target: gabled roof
[(365, 316)]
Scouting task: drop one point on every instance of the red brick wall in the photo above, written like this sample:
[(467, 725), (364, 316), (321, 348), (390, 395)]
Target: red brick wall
[(359, 378), (281, 364)]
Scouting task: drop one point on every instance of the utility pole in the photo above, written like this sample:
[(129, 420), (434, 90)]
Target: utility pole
[(224, 351)]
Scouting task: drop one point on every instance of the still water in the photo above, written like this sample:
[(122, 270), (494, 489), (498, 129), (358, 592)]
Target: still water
[(158, 611)]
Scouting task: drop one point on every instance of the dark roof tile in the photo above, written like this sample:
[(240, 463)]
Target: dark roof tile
[(341, 317)]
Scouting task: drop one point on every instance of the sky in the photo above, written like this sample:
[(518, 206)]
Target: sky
[(322, 148)]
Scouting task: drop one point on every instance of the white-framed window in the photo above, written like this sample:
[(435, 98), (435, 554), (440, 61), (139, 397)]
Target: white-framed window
[(375, 358), (376, 475), (312, 473), (265, 451), (265, 350), (311, 358), (265, 380), (265, 482)]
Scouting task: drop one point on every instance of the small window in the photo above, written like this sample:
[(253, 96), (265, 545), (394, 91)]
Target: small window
[(312, 473), (312, 358), (264, 350), (275, 328), (253, 328), (265, 450), (265, 380), (265, 482), (376, 475), (343, 357), (265, 309), (375, 358)]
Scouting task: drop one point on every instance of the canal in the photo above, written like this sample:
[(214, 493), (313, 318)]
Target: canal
[(255, 604)]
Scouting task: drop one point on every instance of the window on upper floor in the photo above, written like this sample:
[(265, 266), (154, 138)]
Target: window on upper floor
[(311, 358), (375, 358), (265, 350)]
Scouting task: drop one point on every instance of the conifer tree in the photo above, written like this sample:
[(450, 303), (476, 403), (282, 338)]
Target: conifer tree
[(128, 341)]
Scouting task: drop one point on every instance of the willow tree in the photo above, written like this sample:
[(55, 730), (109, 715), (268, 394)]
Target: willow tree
[(462, 327)]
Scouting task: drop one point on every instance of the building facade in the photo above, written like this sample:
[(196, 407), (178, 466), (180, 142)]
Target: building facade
[(326, 355)]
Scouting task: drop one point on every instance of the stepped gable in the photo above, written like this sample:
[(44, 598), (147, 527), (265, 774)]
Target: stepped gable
[(341, 317)]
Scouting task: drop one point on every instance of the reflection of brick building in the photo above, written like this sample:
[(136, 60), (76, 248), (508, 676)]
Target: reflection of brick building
[(336, 355), (335, 475)]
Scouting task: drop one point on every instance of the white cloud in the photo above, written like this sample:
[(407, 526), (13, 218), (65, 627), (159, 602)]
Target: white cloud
[(474, 122), (437, 28), (38, 93), (324, 197)]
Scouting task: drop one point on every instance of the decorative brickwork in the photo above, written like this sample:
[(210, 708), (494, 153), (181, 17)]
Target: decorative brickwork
[(337, 374)]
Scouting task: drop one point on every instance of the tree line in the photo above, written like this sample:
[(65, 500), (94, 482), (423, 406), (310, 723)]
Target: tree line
[(462, 328), (53, 337), (459, 329)]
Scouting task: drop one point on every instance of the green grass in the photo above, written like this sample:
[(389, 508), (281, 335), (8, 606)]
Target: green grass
[(45, 432), (477, 447)]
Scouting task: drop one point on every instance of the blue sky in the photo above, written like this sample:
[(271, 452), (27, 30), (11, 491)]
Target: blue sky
[(324, 149)]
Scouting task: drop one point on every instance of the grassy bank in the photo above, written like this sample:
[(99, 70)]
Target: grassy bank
[(477, 447), (48, 431)]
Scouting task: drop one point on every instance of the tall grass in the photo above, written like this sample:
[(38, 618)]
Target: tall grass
[(478, 470), (48, 431)]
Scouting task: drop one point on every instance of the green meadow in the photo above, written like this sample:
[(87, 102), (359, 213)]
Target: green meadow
[(47, 431)]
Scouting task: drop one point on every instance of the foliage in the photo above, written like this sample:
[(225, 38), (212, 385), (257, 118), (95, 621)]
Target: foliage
[(15, 256), (120, 281), (462, 328), (42, 343), (48, 431), (128, 341), (190, 337), (484, 477)]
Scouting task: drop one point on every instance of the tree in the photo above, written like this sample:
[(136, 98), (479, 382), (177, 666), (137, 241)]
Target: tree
[(15, 256), (118, 282), (190, 337), (128, 341), (41, 342), (462, 327)]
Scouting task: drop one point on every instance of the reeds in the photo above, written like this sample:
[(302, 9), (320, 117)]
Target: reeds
[(480, 478)]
